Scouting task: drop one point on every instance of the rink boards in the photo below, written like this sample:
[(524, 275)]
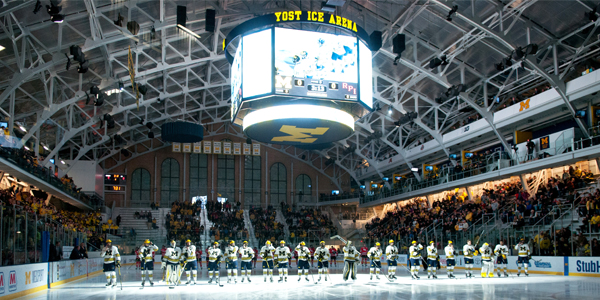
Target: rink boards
[(22, 280)]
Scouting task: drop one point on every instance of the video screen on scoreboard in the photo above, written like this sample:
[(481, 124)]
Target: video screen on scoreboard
[(314, 64), (236, 81)]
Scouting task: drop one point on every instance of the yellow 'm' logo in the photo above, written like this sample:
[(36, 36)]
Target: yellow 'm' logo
[(28, 277), (524, 105), (301, 135)]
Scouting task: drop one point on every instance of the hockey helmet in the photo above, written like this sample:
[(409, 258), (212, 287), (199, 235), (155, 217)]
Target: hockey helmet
[(414, 242), (431, 243), (231, 242), (282, 242), (268, 243), (377, 244), (173, 243), (245, 242), (322, 243), (302, 243), (391, 241), (485, 244), (147, 242), (449, 242), (188, 242), (108, 241), (349, 243), (216, 244)]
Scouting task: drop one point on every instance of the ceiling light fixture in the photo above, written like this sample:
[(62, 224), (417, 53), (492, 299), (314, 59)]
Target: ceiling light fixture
[(54, 12), (185, 29), (2, 48), (46, 148), (62, 161), (22, 128)]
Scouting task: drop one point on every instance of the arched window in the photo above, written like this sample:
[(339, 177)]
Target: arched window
[(278, 182), (169, 182), (140, 188), (198, 175), (303, 188), (226, 175), (252, 180)]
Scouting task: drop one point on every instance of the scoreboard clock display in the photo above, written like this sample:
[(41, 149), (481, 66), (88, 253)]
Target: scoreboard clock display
[(114, 179)]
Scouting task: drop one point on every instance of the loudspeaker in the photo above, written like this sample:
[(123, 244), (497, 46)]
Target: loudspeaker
[(181, 15), (210, 20), (399, 43), (375, 42)]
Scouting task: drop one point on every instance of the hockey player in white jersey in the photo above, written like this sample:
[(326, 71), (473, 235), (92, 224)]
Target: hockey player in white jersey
[(524, 256), (147, 260), (432, 260), (282, 256), (171, 261), (487, 261), (303, 257), (247, 255), (112, 259), (188, 257), (468, 252), (214, 259), (450, 259), (501, 251), (415, 259), (391, 253), (322, 254), (267, 252), (374, 255), (231, 256), (351, 260)]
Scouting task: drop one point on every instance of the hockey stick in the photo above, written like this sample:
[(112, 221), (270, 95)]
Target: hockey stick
[(121, 276), (219, 274)]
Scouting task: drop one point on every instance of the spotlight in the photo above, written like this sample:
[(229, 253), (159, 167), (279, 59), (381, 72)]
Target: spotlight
[(506, 62), (451, 12), (133, 27), (83, 67), (142, 121), (118, 140), (436, 62), (57, 18), (54, 12), (78, 55), (390, 111), (149, 125), (150, 135), (38, 6), (110, 121), (414, 169), (68, 62), (99, 99), (125, 152), (2, 48), (119, 20), (591, 15), (142, 89), (121, 86), (22, 128), (94, 90), (158, 101)]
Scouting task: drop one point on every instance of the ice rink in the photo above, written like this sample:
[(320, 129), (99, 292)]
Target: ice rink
[(532, 287)]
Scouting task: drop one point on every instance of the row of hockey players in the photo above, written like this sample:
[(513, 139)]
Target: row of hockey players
[(489, 259)]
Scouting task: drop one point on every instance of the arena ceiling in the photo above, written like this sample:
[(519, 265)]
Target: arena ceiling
[(188, 78)]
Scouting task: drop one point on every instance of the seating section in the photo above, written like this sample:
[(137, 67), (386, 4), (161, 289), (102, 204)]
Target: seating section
[(266, 227), (309, 223)]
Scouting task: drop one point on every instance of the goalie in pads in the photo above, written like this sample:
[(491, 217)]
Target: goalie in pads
[(171, 263)]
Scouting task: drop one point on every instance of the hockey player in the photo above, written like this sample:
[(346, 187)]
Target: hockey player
[(247, 257), (267, 254), (375, 254), (171, 263), (432, 260), (487, 262), (364, 255), (450, 260), (351, 261), (188, 257), (147, 260), (501, 251), (468, 252), (415, 259), (391, 253), (214, 259), (333, 252), (524, 255), (282, 257), (303, 257), (112, 259), (231, 254), (199, 256), (323, 256)]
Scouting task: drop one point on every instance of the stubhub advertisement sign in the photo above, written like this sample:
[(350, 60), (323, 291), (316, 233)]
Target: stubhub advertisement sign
[(584, 266)]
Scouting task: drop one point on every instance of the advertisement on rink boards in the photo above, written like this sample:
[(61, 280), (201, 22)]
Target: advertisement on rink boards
[(537, 265), (17, 279), (584, 266)]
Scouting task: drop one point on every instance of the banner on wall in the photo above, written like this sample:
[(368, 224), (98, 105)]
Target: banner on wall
[(198, 147), (217, 147), (256, 149), (226, 147), (176, 147), (16, 279), (187, 148), (237, 148), (247, 149), (584, 266), (207, 147), (545, 142)]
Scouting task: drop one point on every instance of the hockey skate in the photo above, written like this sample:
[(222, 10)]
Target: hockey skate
[(428, 276), (143, 282), (299, 278), (306, 278), (377, 276), (434, 276), (210, 280), (114, 284), (325, 278), (188, 282), (527, 274), (271, 279), (499, 275), (229, 280), (371, 278), (243, 279), (235, 281), (319, 279), (107, 284), (265, 279), (417, 276), (519, 274), (152, 283), (280, 280), (249, 279), (286, 279), (505, 275)]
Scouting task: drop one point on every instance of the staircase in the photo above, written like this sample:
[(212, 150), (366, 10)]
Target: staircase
[(157, 236), (281, 219), (252, 241), (205, 235)]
